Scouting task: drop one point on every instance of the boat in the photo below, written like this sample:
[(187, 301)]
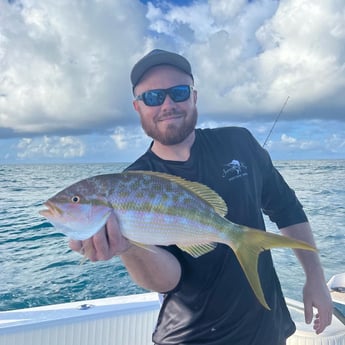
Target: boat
[(130, 320)]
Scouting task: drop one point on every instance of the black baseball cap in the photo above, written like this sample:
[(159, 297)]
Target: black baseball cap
[(159, 57)]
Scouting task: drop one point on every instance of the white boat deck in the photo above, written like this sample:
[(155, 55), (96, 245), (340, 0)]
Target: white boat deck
[(127, 320), (338, 297), (305, 335)]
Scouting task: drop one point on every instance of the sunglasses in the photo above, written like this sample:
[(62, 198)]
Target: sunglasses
[(153, 98)]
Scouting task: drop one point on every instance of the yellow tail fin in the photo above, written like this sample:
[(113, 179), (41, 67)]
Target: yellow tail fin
[(251, 243)]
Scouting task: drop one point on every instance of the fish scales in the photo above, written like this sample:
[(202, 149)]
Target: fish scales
[(161, 209), (167, 229), (161, 197)]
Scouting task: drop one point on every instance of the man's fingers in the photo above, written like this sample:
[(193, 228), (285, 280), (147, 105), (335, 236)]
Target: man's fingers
[(322, 320), (308, 312), (117, 243), (89, 249), (84, 248), (105, 244), (75, 245), (101, 245)]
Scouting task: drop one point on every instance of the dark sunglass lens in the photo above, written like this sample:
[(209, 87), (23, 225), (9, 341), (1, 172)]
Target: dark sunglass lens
[(180, 93), (154, 97)]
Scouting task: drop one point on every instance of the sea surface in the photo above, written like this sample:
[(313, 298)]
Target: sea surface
[(37, 268)]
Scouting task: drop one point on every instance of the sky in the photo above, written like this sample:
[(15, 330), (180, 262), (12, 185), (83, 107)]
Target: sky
[(274, 67)]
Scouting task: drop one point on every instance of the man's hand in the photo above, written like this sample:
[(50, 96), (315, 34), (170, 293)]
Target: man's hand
[(317, 295), (153, 268), (105, 244), (315, 292)]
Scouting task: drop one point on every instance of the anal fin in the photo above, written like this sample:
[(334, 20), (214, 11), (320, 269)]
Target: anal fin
[(197, 250)]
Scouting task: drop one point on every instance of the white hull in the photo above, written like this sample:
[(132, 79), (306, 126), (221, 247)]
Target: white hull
[(127, 320)]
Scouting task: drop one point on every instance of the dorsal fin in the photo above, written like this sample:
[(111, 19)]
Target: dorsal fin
[(202, 191)]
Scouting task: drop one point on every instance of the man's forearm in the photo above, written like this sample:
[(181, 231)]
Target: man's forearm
[(315, 291), (308, 259), (155, 269)]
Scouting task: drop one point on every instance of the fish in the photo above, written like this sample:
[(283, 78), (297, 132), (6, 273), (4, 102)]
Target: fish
[(160, 209)]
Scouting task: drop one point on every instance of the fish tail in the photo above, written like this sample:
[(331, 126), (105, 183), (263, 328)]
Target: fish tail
[(250, 244)]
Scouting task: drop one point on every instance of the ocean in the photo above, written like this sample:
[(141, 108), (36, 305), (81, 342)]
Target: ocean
[(37, 268)]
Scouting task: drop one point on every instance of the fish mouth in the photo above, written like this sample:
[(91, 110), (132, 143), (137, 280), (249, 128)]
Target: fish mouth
[(51, 210)]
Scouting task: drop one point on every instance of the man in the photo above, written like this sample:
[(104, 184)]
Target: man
[(208, 300)]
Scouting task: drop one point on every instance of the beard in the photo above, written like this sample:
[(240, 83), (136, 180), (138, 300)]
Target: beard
[(174, 133)]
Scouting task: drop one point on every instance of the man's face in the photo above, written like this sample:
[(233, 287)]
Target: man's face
[(171, 122)]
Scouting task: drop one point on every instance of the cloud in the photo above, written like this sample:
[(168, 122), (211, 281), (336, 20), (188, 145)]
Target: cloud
[(307, 138), (120, 138), (124, 144), (308, 52), (270, 51), (50, 147), (336, 143), (129, 138), (65, 64), (288, 140), (65, 69)]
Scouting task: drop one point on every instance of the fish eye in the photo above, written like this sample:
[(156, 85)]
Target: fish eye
[(75, 199)]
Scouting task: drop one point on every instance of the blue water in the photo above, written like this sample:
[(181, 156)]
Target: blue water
[(37, 267)]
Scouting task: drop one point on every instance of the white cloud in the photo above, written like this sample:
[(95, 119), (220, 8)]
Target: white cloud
[(65, 64), (336, 142), (303, 55), (288, 140), (50, 147), (184, 25), (249, 57), (300, 143), (119, 138), (309, 138), (130, 138)]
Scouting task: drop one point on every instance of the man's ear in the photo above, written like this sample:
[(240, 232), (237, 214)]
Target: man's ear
[(135, 105), (195, 95)]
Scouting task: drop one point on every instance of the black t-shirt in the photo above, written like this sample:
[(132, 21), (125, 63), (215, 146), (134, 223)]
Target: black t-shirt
[(213, 303)]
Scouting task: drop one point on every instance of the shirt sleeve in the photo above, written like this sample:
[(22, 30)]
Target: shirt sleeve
[(279, 201)]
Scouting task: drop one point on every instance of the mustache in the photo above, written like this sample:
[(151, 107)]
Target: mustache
[(168, 114)]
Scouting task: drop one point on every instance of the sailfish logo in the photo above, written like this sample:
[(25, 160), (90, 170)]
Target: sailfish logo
[(234, 169)]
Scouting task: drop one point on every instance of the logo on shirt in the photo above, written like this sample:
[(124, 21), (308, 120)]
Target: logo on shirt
[(233, 170)]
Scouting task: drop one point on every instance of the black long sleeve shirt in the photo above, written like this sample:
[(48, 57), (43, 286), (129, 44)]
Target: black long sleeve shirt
[(213, 303)]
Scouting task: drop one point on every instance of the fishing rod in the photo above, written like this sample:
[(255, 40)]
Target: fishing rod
[(275, 121)]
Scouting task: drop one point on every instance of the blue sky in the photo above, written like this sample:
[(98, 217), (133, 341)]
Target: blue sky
[(65, 94)]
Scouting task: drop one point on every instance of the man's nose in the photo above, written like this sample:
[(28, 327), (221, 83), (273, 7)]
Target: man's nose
[(168, 102)]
